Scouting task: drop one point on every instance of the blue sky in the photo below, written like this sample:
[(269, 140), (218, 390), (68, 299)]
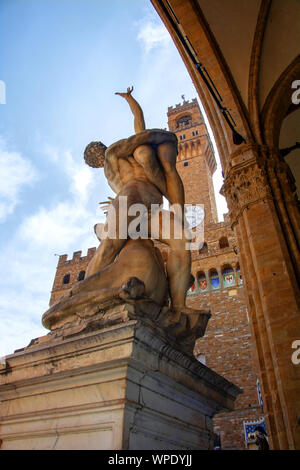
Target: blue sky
[(61, 62)]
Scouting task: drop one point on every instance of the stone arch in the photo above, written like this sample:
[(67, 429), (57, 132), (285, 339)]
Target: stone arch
[(202, 281), (223, 242), (256, 190), (253, 80), (228, 275), (278, 103), (214, 279), (183, 120), (208, 52)]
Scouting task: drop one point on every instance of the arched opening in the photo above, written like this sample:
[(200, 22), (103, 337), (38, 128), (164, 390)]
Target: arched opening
[(245, 85), (66, 279), (228, 276), (202, 282), (223, 242), (192, 289), (289, 144), (214, 279), (81, 276), (184, 121)]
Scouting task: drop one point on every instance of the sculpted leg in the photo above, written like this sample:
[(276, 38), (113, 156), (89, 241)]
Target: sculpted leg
[(167, 154), (111, 245), (104, 255), (179, 260), (179, 272)]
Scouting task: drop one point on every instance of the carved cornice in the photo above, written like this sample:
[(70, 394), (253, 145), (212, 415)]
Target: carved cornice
[(255, 173), (246, 182)]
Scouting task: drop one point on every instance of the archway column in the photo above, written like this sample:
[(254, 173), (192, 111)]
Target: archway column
[(236, 283), (268, 267), (220, 274)]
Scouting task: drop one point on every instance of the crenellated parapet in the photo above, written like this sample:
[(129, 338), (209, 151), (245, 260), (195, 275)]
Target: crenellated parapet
[(63, 259), (183, 106), (68, 272)]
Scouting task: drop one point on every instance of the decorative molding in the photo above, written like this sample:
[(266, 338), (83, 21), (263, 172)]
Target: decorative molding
[(245, 185), (253, 88)]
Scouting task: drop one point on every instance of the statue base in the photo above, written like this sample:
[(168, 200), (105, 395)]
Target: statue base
[(109, 383)]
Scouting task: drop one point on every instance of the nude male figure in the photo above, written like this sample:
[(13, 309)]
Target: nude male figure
[(145, 176)]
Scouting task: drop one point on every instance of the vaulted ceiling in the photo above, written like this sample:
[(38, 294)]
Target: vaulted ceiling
[(233, 23)]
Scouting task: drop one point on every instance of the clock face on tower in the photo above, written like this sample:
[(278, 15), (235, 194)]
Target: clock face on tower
[(194, 214)]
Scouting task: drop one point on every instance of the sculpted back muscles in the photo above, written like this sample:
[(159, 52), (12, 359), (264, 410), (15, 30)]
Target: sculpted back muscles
[(144, 167), (140, 170)]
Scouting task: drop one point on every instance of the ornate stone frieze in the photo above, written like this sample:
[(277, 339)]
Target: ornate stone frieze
[(245, 185)]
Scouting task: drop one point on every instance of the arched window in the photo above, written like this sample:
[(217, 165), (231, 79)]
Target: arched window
[(192, 289), (184, 121), (204, 249), (202, 281), (66, 279), (228, 276), (81, 276), (239, 275), (214, 279), (223, 242)]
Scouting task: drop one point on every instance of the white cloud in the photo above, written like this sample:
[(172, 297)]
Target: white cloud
[(152, 34), (80, 176), (15, 173), (29, 259), (57, 227)]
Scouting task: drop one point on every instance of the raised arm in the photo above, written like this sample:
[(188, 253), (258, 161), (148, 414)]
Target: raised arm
[(139, 121)]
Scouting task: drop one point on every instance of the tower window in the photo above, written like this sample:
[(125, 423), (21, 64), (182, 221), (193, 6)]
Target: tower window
[(66, 279), (223, 242), (182, 136), (204, 249), (81, 276), (195, 133), (184, 121)]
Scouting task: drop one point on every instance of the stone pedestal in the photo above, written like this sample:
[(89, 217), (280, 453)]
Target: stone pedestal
[(113, 384)]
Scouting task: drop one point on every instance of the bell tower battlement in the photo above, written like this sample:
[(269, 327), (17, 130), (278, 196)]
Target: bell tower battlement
[(68, 272), (196, 161)]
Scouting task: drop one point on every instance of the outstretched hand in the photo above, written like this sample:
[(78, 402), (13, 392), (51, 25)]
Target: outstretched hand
[(106, 204), (127, 94)]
